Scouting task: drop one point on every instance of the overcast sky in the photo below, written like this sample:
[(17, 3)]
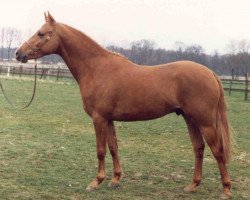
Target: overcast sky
[(209, 23)]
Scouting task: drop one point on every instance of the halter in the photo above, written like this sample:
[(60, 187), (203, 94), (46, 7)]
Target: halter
[(37, 49)]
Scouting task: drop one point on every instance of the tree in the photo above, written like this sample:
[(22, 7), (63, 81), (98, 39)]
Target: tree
[(243, 46), (2, 36), (19, 38), (142, 51), (238, 57), (179, 47), (11, 35), (232, 47)]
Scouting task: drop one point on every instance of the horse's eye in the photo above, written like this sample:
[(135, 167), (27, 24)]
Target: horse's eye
[(40, 34)]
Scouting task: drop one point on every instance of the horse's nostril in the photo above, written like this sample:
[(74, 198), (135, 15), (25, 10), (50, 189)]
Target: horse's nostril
[(17, 53)]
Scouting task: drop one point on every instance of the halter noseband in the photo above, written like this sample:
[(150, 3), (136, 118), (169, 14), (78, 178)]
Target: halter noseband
[(37, 49)]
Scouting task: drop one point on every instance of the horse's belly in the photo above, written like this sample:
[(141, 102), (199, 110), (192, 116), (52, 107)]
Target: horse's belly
[(141, 111), (137, 117)]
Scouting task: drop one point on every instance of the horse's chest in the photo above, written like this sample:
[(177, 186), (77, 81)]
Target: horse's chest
[(92, 101), (87, 98), (87, 104)]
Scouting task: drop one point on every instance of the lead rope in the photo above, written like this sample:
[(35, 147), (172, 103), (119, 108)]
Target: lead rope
[(32, 97)]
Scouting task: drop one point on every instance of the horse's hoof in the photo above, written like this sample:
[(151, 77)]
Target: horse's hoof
[(189, 189), (112, 185), (227, 195), (91, 188)]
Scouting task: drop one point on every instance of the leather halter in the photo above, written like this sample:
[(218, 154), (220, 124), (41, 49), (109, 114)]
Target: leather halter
[(37, 49)]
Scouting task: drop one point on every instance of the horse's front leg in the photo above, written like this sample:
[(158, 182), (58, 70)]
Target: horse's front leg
[(101, 130)]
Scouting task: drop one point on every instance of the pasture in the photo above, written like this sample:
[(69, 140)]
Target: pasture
[(48, 151)]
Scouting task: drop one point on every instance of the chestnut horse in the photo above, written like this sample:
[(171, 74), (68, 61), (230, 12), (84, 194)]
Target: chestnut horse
[(115, 89)]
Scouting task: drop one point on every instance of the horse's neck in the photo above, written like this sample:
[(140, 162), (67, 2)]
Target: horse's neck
[(77, 50)]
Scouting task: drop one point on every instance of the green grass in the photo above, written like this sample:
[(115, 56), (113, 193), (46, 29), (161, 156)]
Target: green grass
[(48, 151)]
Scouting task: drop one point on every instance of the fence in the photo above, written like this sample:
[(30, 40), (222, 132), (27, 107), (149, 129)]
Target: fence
[(231, 84), (237, 85), (42, 72)]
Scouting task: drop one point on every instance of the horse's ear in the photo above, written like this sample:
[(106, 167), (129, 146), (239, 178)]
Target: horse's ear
[(50, 19), (45, 17)]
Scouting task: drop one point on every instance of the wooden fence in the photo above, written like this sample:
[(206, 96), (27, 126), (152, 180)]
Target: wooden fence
[(42, 72), (237, 85), (231, 84)]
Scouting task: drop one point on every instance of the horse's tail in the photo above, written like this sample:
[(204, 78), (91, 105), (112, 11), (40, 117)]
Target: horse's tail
[(222, 125)]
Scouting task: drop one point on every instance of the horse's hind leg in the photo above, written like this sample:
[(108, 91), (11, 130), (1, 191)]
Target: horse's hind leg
[(113, 148), (198, 147), (211, 137)]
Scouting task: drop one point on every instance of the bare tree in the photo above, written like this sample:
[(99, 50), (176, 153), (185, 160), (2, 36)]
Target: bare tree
[(142, 51), (19, 38), (11, 35), (232, 47), (238, 58), (243, 46), (2, 39), (179, 47)]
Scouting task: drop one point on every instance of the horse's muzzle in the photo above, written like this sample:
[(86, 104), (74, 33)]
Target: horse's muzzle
[(20, 56)]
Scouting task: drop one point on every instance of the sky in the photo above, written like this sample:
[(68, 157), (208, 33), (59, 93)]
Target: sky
[(211, 24)]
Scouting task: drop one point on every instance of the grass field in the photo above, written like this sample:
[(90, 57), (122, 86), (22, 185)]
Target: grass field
[(48, 151)]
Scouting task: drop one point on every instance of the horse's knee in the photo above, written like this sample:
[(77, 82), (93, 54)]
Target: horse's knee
[(199, 150), (101, 154)]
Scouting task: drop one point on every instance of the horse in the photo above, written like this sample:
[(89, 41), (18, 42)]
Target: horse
[(115, 89)]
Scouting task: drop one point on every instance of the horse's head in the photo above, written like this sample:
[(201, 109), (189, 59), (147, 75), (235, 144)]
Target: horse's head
[(44, 42)]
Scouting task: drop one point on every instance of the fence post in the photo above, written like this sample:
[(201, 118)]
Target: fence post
[(246, 88), (20, 71), (58, 72), (8, 71), (42, 74), (231, 82), (46, 73)]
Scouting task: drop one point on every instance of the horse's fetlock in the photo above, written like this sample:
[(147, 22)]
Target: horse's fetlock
[(118, 173), (100, 178), (197, 181), (227, 184)]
